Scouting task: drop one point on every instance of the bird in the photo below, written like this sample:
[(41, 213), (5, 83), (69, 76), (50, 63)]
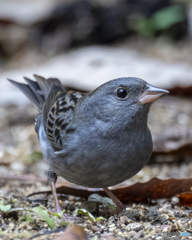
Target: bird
[(96, 139)]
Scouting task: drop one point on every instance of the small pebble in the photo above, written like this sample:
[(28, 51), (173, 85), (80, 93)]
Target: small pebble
[(112, 225), (131, 234), (135, 226), (159, 238), (17, 166), (138, 235), (95, 238), (174, 200), (94, 228), (112, 229)]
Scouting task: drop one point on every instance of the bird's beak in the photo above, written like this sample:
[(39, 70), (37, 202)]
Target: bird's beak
[(152, 94)]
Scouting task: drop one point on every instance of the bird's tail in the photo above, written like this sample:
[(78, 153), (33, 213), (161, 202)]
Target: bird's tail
[(37, 92)]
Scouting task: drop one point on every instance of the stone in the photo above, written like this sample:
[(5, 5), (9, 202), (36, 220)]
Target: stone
[(135, 226), (138, 235), (111, 220), (160, 219), (90, 206), (159, 238), (105, 201), (125, 220), (112, 225), (94, 228), (131, 214), (131, 234), (17, 166), (152, 214), (95, 238), (112, 229), (69, 207)]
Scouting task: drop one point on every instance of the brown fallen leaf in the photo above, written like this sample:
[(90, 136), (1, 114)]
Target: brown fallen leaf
[(138, 192), (73, 233), (186, 199)]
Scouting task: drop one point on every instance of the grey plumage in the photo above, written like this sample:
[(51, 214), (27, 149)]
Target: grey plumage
[(97, 139)]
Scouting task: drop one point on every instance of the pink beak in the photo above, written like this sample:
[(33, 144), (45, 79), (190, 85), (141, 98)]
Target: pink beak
[(152, 94)]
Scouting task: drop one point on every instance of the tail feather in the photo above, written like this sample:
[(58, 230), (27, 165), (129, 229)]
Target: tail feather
[(46, 84), (35, 88), (37, 92), (28, 92)]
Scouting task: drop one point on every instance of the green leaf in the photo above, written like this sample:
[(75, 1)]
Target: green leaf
[(100, 218), (3, 207), (85, 213), (167, 17), (43, 213), (159, 21), (59, 215)]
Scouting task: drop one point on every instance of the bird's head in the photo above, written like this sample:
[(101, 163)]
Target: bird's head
[(123, 100)]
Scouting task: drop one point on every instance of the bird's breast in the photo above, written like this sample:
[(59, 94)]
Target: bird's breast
[(99, 161)]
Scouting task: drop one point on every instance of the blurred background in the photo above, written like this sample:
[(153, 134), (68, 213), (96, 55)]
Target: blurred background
[(85, 43)]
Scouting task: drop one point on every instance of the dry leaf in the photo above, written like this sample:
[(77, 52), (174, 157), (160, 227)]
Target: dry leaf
[(186, 199), (138, 192), (73, 233)]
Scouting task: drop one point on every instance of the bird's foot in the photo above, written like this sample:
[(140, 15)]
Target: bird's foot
[(67, 218), (119, 205), (58, 208), (119, 208)]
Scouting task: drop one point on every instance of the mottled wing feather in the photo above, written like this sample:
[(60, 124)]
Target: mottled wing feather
[(55, 93), (60, 117)]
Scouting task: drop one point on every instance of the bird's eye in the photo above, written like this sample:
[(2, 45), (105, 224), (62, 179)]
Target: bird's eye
[(122, 93)]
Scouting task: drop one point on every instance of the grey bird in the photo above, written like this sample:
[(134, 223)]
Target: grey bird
[(96, 139)]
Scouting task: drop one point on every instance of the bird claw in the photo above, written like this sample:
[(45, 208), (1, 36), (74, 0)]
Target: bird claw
[(67, 218), (120, 207)]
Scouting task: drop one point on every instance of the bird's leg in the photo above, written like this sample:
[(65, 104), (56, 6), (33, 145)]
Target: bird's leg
[(119, 205), (58, 207), (52, 179)]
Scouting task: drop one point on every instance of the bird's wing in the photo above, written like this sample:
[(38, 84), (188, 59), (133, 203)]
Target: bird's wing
[(58, 115)]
